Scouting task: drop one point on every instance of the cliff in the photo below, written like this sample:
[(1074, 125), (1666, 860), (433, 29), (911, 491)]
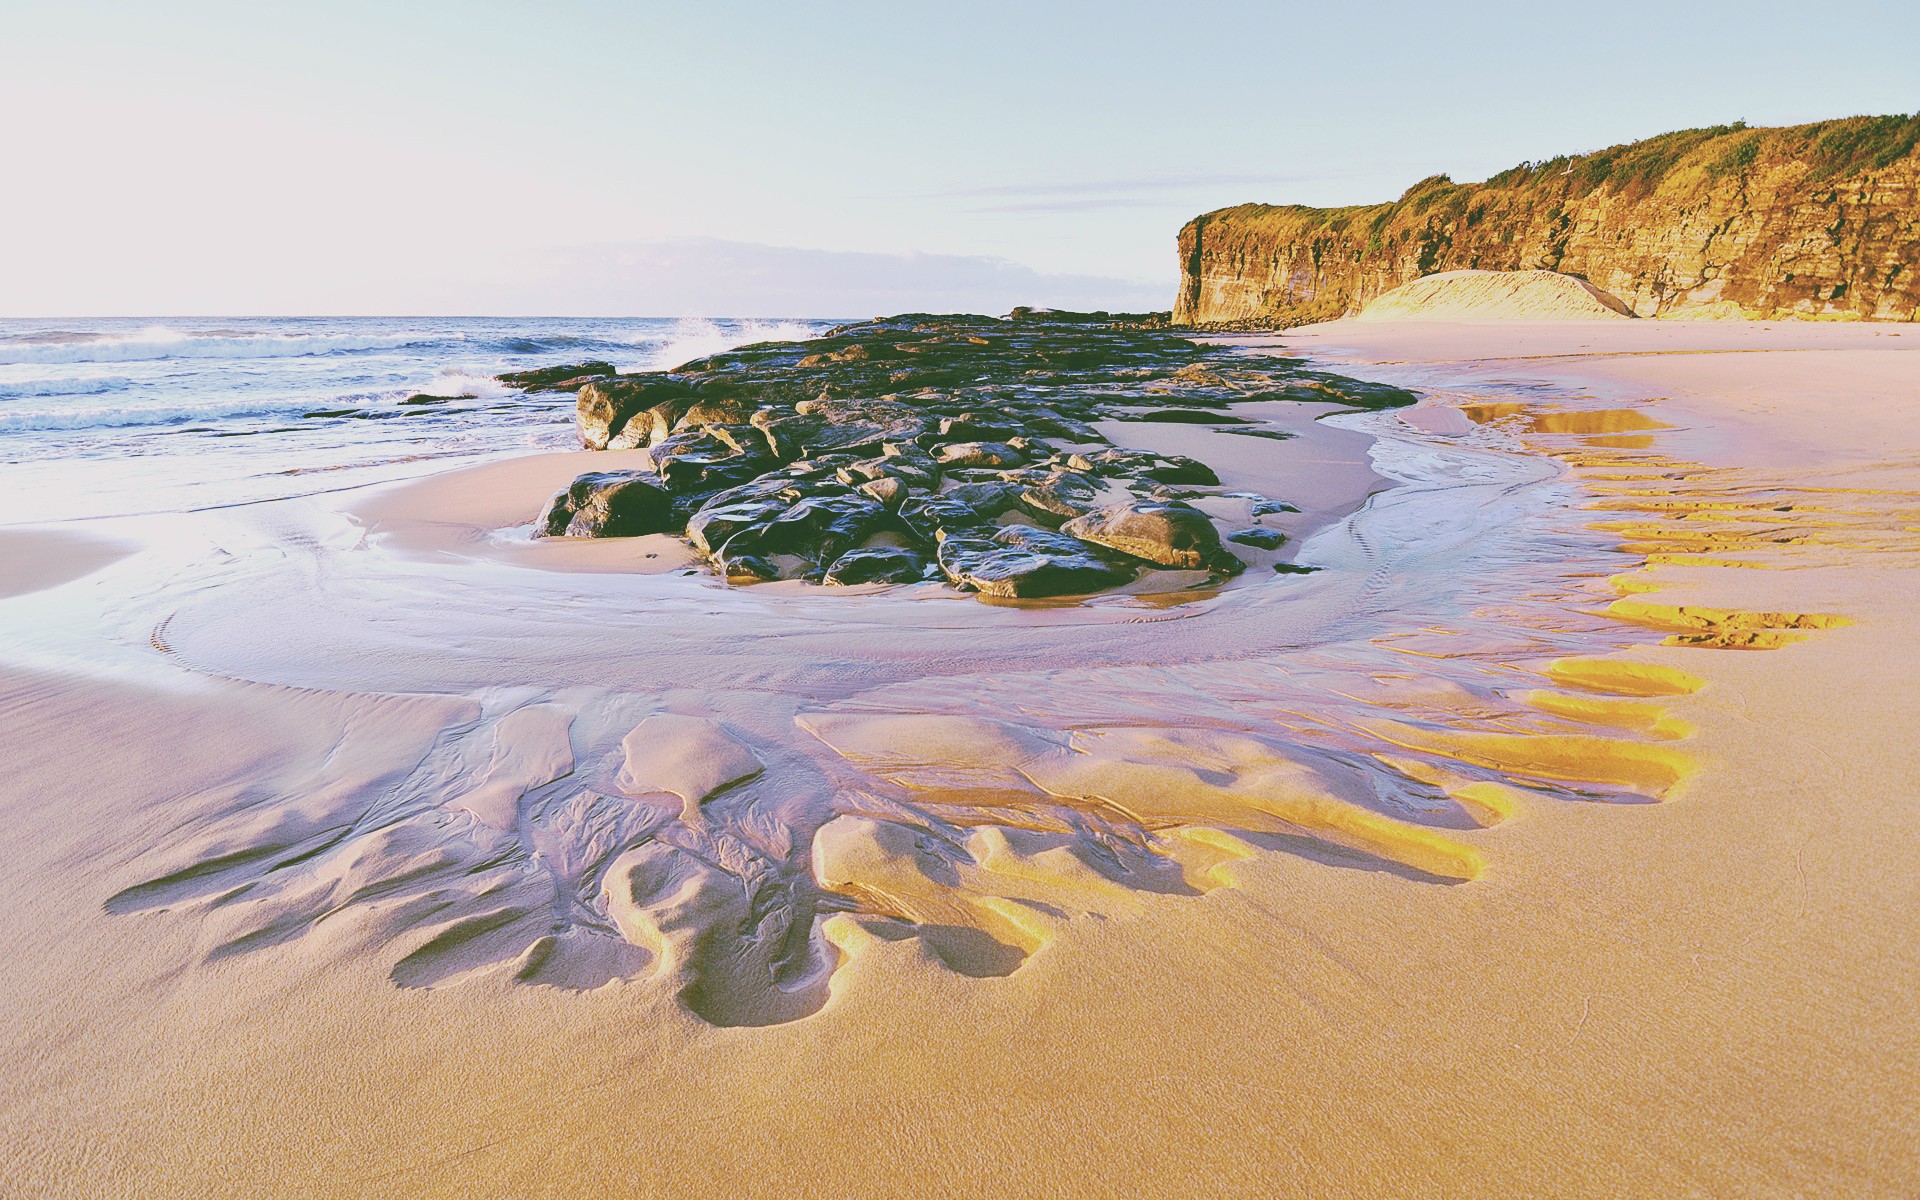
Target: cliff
[(1812, 220)]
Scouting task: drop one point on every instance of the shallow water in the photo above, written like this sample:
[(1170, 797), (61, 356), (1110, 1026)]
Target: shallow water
[(927, 765), (123, 416)]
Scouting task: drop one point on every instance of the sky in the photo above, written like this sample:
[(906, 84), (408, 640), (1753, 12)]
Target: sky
[(625, 158)]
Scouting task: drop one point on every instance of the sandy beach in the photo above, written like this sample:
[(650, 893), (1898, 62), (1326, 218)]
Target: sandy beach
[(1554, 836)]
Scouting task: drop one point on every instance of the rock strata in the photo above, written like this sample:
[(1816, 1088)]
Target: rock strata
[(1813, 220), (916, 448)]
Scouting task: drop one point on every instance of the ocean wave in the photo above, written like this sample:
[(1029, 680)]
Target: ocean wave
[(162, 342), (697, 337), (18, 419), (557, 343), (61, 414), (92, 385), (464, 381)]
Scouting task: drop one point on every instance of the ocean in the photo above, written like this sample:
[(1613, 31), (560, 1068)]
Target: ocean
[(111, 417)]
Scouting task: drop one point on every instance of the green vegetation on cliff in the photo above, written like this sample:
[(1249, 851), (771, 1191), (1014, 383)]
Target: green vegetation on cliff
[(1812, 220)]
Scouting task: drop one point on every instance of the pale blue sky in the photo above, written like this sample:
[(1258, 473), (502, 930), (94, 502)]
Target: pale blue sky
[(489, 156)]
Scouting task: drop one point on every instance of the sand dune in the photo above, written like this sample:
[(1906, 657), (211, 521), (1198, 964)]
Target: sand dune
[(1494, 295)]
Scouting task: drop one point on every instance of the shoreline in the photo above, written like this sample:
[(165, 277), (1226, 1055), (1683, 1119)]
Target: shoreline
[(1647, 966)]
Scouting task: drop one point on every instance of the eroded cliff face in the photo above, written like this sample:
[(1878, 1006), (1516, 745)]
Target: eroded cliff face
[(1812, 220)]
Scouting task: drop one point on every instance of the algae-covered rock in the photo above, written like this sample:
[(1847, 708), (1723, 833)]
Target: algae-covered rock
[(877, 449), (567, 378)]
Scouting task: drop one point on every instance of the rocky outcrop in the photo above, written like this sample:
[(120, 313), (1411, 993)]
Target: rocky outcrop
[(1170, 533), (1817, 220), (917, 448)]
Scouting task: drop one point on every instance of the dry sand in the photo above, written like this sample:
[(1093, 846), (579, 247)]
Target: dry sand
[(1495, 295), (1490, 982)]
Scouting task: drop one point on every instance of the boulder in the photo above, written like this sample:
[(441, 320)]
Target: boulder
[(1020, 561), (880, 564), (705, 459), (729, 410), (912, 467), (1188, 416), (1258, 536), (604, 408), (966, 506), (818, 529), (609, 504), (1175, 468), (567, 378), (1061, 497), (828, 424), (1169, 533), (714, 525), (978, 454), (888, 491)]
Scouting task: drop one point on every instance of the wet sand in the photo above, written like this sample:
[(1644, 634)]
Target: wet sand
[(33, 559), (1554, 838)]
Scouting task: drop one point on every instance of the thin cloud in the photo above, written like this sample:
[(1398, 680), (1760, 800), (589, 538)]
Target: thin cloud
[(1110, 188), (718, 277), (1083, 204)]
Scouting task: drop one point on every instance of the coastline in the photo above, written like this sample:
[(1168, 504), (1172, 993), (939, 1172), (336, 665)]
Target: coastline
[(1617, 1003)]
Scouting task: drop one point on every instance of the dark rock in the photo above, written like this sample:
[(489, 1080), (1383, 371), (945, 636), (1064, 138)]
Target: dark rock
[(1187, 416), (913, 468), (726, 411), (651, 425), (971, 427), (568, 378), (787, 458), (1049, 423), (745, 566), (605, 407), (1169, 534), (978, 454), (1259, 536), (609, 504), (1293, 569), (423, 398), (1175, 468), (717, 522), (704, 459), (880, 564), (815, 433), (1021, 561), (1263, 507), (852, 410), (888, 491), (818, 529), (1062, 497), (967, 506)]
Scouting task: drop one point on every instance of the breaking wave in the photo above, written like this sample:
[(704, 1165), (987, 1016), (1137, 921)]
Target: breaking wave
[(89, 386), (697, 337), (162, 342)]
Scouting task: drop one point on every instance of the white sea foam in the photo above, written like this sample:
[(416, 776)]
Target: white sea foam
[(17, 418), (83, 385), (697, 337), (465, 381), (162, 342)]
